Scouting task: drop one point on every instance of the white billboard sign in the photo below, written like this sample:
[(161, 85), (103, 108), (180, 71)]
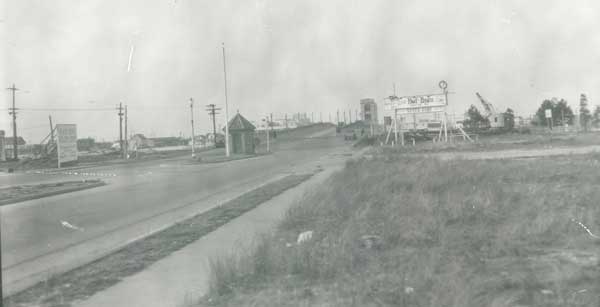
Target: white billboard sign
[(67, 143), (548, 113), (416, 104)]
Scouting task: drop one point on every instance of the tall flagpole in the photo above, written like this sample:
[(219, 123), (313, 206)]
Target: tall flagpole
[(226, 106)]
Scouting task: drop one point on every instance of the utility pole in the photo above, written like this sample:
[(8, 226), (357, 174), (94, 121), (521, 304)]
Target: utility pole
[(120, 114), (271, 121), (286, 122), (126, 136), (337, 118), (212, 111), (350, 115), (192, 120), (226, 107), (13, 112), (267, 130)]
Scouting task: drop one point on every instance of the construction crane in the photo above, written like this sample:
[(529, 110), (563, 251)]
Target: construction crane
[(495, 119)]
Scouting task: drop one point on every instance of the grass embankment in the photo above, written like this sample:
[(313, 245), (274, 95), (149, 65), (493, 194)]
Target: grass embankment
[(19, 193), (504, 142), (411, 232), (83, 282)]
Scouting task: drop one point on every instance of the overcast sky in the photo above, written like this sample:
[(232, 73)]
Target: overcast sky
[(284, 56)]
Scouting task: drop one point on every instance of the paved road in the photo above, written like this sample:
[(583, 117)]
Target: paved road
[(170, 282), (37, 237)]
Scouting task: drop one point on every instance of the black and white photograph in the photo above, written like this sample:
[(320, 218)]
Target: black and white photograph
[(281, 153)]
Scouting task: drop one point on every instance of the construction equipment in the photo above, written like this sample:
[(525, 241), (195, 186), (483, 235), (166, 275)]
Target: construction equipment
[(495, 119)]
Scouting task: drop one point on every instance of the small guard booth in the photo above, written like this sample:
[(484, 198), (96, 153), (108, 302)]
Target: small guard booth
[(241, 133)]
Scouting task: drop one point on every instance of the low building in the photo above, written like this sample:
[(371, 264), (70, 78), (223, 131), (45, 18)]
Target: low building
[(368, 110), (241, 135), (9, 145)]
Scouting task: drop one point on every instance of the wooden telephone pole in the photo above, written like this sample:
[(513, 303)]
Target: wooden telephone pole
[(212, 112), (13, 112), (120, 114)]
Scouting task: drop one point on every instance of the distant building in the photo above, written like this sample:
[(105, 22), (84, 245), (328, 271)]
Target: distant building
[(8, 141), (300, 119), (368, 110), (220, 140), (139, 141), (86, 144), (200, 140), (241, 133), (168, 141), (9, 145), (276, 124)]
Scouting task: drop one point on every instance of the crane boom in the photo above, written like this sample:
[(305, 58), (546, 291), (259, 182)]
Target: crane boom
[(489, 108)]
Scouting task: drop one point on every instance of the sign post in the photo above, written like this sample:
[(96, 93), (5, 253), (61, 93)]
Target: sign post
[(420, 104), (548, 113), (67, 143)]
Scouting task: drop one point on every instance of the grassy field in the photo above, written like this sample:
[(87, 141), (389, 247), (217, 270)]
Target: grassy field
[(505, 141), (396, 231)]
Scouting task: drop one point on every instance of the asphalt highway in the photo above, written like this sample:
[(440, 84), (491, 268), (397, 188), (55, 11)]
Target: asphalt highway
[(40, 237)]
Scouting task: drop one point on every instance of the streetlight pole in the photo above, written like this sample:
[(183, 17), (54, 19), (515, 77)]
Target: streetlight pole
[(226, 107)]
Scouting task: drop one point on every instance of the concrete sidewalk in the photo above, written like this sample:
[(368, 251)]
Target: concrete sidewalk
[(183, 276)]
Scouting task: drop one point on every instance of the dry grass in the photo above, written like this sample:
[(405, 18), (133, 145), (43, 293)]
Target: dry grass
[(505, 141), (458, 233)]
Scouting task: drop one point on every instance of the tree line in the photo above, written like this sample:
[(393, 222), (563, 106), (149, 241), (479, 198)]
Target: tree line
[(561, 113)]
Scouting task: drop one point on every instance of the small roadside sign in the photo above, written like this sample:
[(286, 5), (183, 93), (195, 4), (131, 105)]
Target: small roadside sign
[(67, 143), (548, 113)]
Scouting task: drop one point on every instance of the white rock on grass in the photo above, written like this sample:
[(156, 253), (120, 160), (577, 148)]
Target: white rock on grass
[(304, 237)]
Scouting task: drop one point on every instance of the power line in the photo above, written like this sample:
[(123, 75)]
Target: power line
[(66, 109)]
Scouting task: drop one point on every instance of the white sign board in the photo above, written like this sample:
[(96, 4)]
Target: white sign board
[(548, 113), (67, 143), (416, 104)]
